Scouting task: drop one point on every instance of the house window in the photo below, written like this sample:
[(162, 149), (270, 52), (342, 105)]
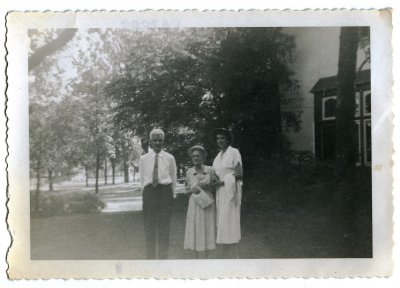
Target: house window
[(357, 108), (367, 141), (358, 137), (328, 108), (367, 103)]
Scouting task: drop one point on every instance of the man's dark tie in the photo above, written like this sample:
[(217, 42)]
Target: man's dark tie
[(155, 171)]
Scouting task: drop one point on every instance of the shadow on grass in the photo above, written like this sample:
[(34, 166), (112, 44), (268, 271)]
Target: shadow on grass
[(303, 213), (287, 212)]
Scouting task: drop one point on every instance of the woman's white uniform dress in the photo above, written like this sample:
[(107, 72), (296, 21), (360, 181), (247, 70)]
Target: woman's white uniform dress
[(228, 196)]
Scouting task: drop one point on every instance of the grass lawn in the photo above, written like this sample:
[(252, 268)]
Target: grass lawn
[(289, 218), (115, 236)]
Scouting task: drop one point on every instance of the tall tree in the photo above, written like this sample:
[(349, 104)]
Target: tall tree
[(251, 79), (345, 105), (162, 83), (70, 81), (191, 81), (96, 67)]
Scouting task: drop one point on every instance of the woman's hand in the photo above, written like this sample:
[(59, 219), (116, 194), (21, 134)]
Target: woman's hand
[(238, 177), (219, 183), (194, 190), (238, 172), (234, 200), (205, 186)]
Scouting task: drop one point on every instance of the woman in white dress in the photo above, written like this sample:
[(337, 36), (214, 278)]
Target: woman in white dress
[(228, 167), (200, 220)]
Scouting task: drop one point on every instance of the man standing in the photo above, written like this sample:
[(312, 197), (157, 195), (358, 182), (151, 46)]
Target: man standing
[(158, 179)]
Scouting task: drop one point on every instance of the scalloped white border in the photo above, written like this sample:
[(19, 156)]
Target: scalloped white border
[(22, 267)]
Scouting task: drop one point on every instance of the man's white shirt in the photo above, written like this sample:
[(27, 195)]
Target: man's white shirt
[(166, 168)]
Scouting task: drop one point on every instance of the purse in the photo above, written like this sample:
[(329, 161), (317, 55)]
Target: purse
[(203, 199)]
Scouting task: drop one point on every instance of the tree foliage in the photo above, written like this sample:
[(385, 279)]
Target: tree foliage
[(196, 80), (94, 99), (71, 123)]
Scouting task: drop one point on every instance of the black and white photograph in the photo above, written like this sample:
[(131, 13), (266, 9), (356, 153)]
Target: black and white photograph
[(201, 143)]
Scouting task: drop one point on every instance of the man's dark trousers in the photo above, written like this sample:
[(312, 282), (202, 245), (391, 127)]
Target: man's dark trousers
[(157, 211)]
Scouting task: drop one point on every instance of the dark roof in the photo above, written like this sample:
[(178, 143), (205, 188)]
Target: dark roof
[(328, 83)]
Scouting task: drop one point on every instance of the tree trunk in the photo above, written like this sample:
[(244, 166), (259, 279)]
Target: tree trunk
[(38, 167), (278, 120), (37, 193), (97, 171), (50, 172), (126, 170), (125, 164), (105, 171), (113, 170), (345, 146), (87, 176)]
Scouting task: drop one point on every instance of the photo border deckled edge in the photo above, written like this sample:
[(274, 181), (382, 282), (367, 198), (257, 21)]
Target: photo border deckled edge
[(9, 200)]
